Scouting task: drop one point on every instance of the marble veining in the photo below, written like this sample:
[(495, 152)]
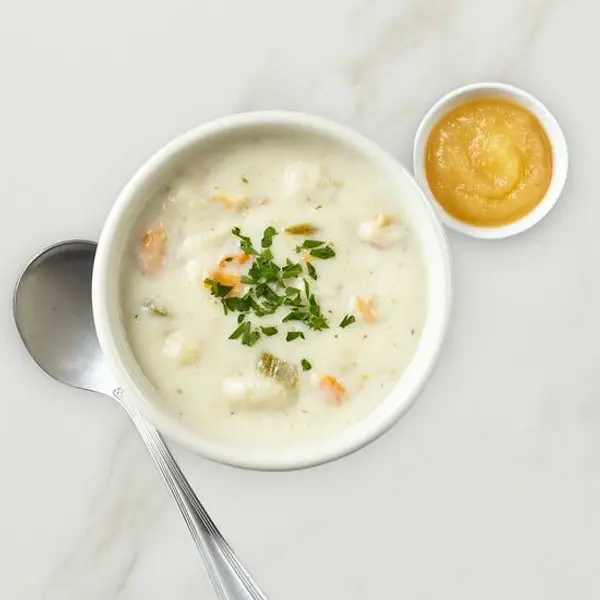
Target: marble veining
[(122, 513)]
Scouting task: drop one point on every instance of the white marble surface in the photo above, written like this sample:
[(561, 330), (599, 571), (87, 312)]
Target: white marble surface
[(488, 488)]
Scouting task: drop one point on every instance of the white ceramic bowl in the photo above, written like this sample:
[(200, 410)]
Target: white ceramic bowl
[(116, 234), (556, 137)]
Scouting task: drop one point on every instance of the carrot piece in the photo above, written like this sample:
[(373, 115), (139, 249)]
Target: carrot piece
[(151, 250), (365, 308), (337, 392), (237, 259), (306, 258)]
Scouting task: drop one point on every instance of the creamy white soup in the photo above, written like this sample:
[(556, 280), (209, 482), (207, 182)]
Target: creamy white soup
[(274, 291)]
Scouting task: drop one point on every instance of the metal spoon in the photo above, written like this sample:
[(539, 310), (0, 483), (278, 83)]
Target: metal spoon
[(53, 310)]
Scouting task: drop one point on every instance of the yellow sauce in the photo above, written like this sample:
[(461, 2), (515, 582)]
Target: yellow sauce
[(488, 162)]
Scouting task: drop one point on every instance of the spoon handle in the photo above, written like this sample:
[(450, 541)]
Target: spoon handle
[(230, 579)]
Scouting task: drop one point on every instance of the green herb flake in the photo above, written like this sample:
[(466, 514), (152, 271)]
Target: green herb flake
[(244, 179), (250, 338), (293, 335), (347, 320), (244, 331), (268, 235), (291, 270), (323, 253), (237, 304), (239, 331), (317, 321), (306, 366), (263, 269), (245, 242), (308, 244), (269, 331), (218, 289), (292, 297), (295, 315), (306, 289), (312, 272)]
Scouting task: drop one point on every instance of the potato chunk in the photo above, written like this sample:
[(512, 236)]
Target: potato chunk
[(180, 346), (256, 393), (382, 232)]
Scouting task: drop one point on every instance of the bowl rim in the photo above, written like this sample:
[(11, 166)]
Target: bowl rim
[(556, 137), (315, 453)]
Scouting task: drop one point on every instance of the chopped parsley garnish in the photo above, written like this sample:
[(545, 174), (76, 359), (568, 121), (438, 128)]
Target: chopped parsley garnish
[(323, 252), (306, 289), (306, 366), (249, 337), (244, 179), (347, 320), (263, 269), (317, 321), (292, 292), (245, 242), (217, 289), (269, 331), (234, 303), (317, 248), (308, 244), (268, 290), (291, 270), (293, 335), (267, 239), (239, 331), (295, 315)]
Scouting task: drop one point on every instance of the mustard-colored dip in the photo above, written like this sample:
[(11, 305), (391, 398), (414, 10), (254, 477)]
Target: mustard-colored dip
[(488, 162)]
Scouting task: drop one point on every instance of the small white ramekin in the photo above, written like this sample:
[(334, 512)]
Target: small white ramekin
[(560, 156), (116, 236)]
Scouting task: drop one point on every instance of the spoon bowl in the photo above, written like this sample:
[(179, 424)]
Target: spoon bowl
[(53, 312)]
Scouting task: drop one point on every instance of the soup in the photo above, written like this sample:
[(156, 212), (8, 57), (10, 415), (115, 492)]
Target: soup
[(274, 291)]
